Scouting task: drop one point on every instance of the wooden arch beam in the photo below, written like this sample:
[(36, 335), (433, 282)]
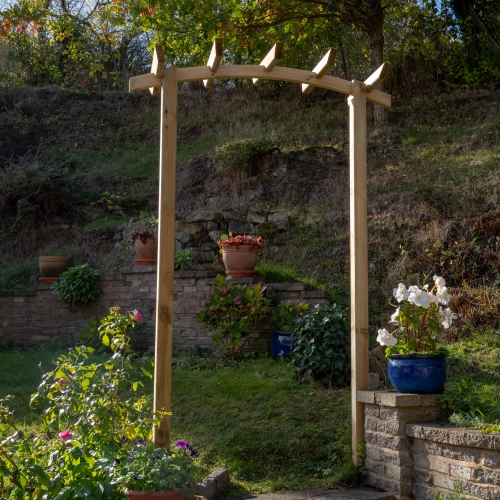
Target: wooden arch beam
[(214, 61), (192, 74), (271, 60), (321, 69), (157, 67), (377, 77)]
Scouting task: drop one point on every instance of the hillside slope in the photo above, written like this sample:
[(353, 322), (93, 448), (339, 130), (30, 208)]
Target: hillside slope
[(76, 166)]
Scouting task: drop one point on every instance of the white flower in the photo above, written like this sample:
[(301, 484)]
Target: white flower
[(385, 338), (440, 282), (394, 317), (433, 298), (419, 297), (400, 293), (443, 296), (447, 316)]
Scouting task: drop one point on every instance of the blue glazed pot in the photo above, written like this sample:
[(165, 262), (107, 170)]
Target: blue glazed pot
[(281, 343), (418, 373)]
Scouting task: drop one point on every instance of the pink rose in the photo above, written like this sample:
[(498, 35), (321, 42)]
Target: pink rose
[(137, 316), (65, 435)]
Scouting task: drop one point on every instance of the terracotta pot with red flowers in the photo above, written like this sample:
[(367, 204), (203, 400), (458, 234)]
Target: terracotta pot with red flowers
[(145, 243), (239, 254)]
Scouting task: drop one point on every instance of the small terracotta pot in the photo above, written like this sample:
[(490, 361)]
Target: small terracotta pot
[(146, 253), (52, 266), (168, 495), (240, 260)]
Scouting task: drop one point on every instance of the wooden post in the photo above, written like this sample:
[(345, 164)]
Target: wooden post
[(359, 259), (166, 255)]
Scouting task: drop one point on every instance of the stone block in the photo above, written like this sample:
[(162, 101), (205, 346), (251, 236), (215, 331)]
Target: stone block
[(280, 219), (394, 399), (241, 228), (404, 474), (191, 229), (415, 431), (423, 476), (212, 226), (371, 424), (208, 256), (366, 397), (374, 467), (457, 437), (447, 451), (486, 476), (215, 235), (396, 428), (372, 410), (371, 437), (494, 493), (423, 492), (399, 458), (395, 443), (492, 459), (473, 455), (313, 294), (256, 218), (480, 440), (439, 465), (436, 433), (421, 461), (204, 216), (395, 487), (288, 287), (210, 246), (460, 471), (477, 490), (372, 453)]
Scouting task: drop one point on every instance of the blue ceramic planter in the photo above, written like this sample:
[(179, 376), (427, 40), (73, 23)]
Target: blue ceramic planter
[(281, 343), (418, 373)]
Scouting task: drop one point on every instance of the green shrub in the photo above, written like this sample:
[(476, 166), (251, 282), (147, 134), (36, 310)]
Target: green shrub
[(183, 260), (322, 347), (78, 285), (88, 334), (232, 311), (245, 154)]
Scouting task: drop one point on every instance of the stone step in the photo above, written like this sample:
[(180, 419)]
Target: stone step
[(346, 494)]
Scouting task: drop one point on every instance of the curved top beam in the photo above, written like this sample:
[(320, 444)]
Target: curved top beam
[(144, 82)]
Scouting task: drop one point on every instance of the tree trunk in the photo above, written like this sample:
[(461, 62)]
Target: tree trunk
[(376, 34), (484, 29)]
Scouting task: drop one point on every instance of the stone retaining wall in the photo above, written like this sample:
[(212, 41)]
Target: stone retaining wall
[(417, 460), (34, 318)]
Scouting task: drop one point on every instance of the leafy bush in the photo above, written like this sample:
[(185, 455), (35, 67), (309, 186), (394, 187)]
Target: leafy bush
[(245, 154), (78, 285), (183, 259), (88, 334), (232, 311), (322, 347), (286, 317)]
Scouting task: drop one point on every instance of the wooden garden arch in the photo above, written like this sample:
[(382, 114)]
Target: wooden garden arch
[(165, 81)]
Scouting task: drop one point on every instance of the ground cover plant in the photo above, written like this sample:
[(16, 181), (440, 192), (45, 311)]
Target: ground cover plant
[(253, 417)]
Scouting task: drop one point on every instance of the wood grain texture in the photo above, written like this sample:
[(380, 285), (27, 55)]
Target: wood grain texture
[(166, 248), (157, 67), (214, 61), (270, 61), (377, 77), (192, 74), (321, 69), (358, 258)]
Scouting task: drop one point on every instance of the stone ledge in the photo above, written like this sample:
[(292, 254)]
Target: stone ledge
[(18, 293), (395, 399), (447, 434), (217, 482)]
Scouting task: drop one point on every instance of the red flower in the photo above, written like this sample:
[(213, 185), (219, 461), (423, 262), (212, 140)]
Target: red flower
[(65, 435)]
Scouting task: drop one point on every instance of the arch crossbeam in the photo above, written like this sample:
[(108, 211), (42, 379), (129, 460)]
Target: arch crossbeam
[(195, 73)]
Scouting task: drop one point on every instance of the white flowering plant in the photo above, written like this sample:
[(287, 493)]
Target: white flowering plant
[(421, 315)]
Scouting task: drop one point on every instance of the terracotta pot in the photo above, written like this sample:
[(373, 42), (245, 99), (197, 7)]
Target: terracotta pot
[(240, 260), (168, 495), (51, 267), (146, 253)]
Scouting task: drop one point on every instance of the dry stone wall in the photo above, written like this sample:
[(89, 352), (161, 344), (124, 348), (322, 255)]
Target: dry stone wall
[(34, 318), (411, 456)]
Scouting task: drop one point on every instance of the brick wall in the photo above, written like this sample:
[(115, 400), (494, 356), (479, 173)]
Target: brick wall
[(414, 459), (33, 318)]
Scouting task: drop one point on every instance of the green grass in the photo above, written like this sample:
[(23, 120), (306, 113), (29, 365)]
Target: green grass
[(272, 433)]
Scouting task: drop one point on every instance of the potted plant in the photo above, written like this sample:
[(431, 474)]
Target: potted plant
[(145, 243), (78, 285), (232, 311), (285, 319), (415, 363), (239, 254), (156, 474), (51, 266)]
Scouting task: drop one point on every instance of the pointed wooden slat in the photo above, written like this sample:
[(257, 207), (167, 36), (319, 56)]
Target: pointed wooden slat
[(214, 61), (270, 61), (377, 77), (143, 82), (321, 68), (157, 67)]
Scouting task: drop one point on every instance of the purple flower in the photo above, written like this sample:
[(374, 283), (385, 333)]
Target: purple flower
[(238, 299), (181, 444)]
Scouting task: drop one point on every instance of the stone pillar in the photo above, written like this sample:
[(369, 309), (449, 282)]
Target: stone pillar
[(389, 462)]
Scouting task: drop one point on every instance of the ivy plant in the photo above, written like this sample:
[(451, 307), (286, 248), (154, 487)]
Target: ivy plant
[(77, 285), (322, 347)]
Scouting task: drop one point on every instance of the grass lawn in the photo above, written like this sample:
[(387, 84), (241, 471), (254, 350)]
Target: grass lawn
[(271, 432)]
